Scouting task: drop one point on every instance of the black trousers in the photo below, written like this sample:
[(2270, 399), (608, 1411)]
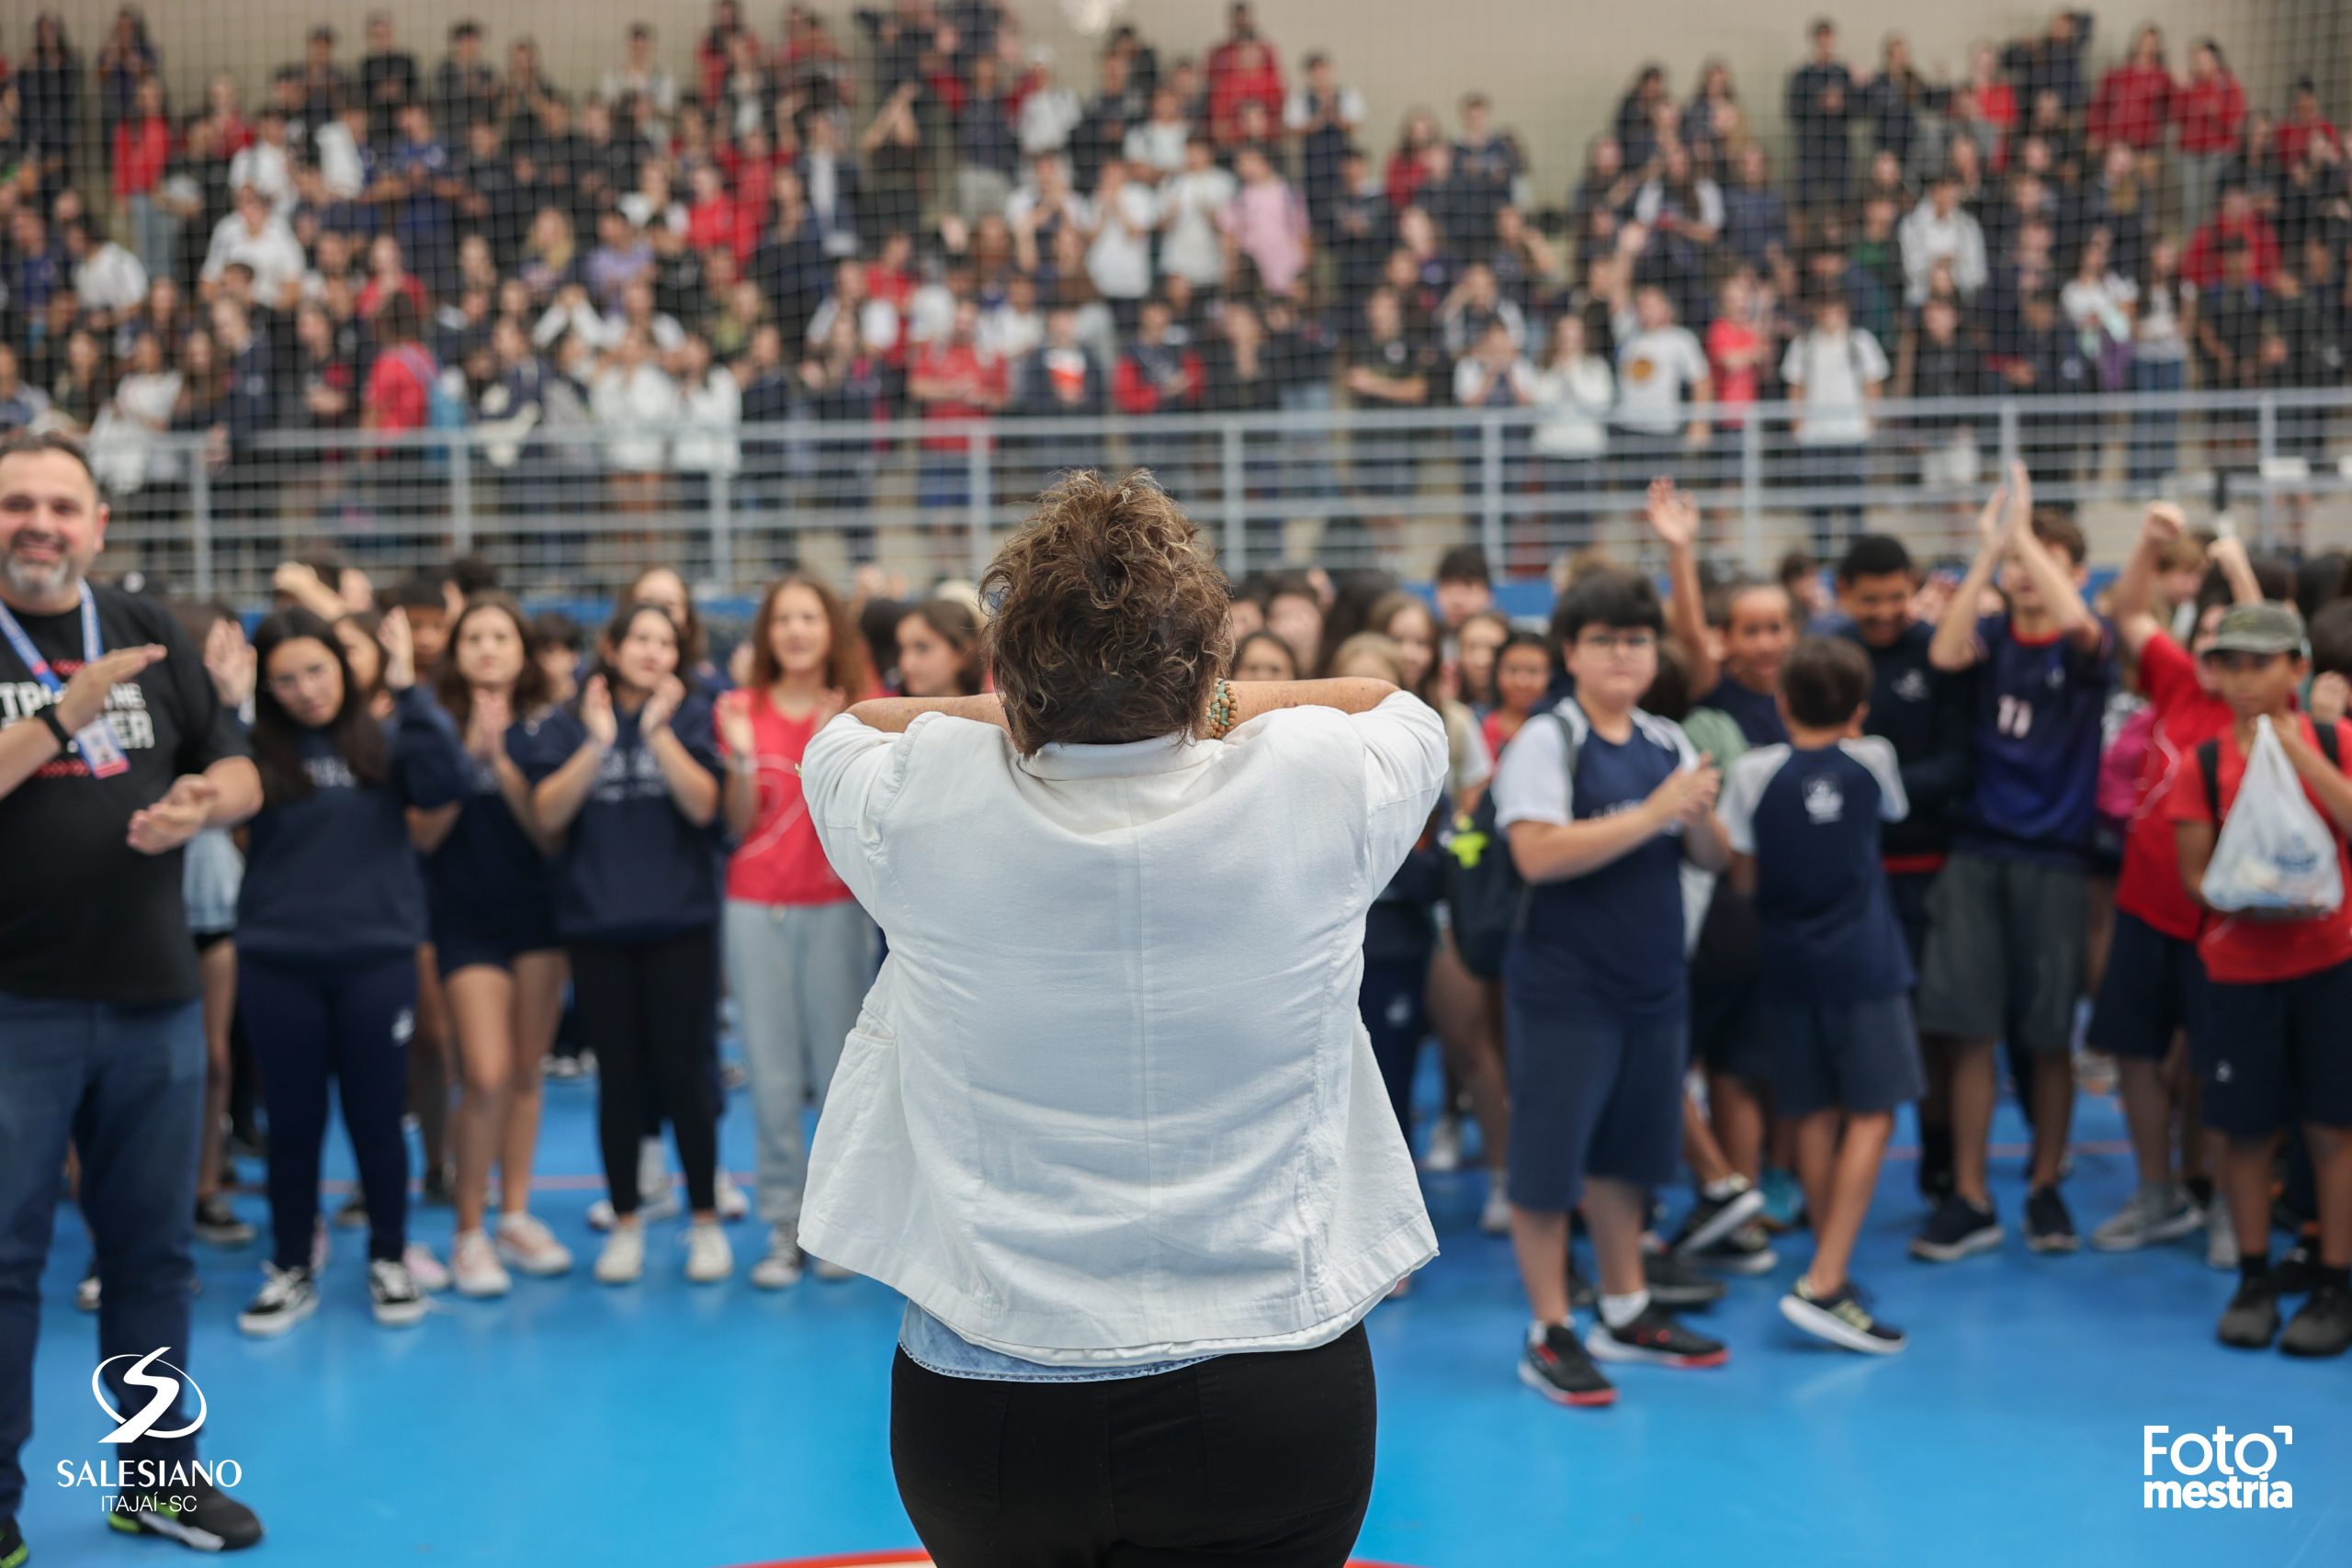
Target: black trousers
[(1259, 1459), (644, 1009)]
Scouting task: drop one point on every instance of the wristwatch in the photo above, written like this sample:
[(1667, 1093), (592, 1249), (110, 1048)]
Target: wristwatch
[(57, 728)]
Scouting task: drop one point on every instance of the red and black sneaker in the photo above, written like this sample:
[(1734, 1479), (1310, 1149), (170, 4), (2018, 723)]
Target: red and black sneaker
[(1656, 1339), (1557, 1367)]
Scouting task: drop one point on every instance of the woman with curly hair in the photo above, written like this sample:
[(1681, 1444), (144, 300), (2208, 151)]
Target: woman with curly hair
[(1109, 1119)]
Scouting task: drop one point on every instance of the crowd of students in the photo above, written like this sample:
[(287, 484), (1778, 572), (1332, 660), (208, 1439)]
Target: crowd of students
[(1782, 869)]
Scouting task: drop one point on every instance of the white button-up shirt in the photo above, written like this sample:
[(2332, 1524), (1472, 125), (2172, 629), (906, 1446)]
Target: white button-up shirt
[(1109, 1101)]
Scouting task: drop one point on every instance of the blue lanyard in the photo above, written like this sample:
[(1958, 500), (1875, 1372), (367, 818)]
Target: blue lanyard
[(24, 647)]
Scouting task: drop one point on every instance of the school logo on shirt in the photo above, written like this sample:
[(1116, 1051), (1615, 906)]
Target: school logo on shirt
[(1911, 686), (1639, 368), (1824, 801), (2056, 678)]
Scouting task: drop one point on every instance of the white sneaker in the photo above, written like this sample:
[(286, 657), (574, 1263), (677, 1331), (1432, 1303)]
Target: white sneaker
[(2220, 1235), (622, 1260), (473, 1264), (732, 1203), (656, 1199), (526, 1245), (394, 1288), (1445, 1144), (657, 1205), (1495, 1218), (709, 1257), (834, 1273), (780, 1270), (423, 1268)]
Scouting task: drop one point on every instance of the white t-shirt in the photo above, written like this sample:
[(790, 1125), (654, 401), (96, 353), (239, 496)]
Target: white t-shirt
[(1827, 375), (1119, 261), (1575, 400), (1655, 370), (1193, 246)]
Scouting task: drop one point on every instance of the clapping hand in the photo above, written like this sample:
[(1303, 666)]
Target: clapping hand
[(84, 697), (399, 650), (735, 724), (174, 819), (596, 712), (229, 660), (661, 707), (486, 730), (1688, 794)]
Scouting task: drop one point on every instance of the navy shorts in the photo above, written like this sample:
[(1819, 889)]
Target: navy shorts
[(2154, 987), (1858, 1056), (468, 948), (2280, 1054), (1592, 1094), (1727, 1031)]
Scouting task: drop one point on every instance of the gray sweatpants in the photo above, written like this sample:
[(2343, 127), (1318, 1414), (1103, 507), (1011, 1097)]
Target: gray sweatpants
[(799, 973)]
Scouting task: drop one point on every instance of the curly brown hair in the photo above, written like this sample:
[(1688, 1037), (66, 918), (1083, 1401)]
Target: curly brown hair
[(1107, 620)]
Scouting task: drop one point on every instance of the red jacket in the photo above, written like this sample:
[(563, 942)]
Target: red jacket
[(141, 149), (2293, 139), (1133, 392), (2132, 106), (2202, 262), (2211, 115), (1232, 81)]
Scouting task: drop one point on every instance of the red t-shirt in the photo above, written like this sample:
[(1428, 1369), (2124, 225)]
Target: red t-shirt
[(975, 376), (780, 860), (2241, 950), (399, 388), (2187, 716), (1727, 337)]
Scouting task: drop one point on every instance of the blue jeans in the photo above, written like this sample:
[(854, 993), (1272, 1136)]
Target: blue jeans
[(2156, 432), (124, 1086)]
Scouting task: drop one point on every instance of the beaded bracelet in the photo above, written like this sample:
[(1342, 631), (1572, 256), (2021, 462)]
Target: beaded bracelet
[(1221, 710)]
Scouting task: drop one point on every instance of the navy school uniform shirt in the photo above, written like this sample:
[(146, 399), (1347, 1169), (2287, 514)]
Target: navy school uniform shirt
[(488, 876), (333, 878), (631, 868), (1401, 926), (2039, 707), (1614, 938), (1757, 714), (1810, 819), (1925, 714)]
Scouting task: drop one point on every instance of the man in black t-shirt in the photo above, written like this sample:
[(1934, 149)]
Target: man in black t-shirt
[(115, 751)]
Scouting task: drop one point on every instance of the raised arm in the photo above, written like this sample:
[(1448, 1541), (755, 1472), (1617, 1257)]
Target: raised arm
[(1676, 523), (2135, 584), (1954, 647), (2060, 596), (1251, 698)]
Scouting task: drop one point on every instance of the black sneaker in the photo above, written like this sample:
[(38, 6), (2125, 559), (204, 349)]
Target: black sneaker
[(1955, 1230), (1934, 1164), (1841, 1319), (1674, 1283), (287, 1296), (1557, 1367), (1655, 1339), (13, 1552), (353, 1215), (2323, 1326), (1748, 1250), (2295, 1272), (2048, 1225), (1581, 1291), (393, 1290), (1712, 1219), (438, 1191), (217, 1224), (194, 1513), (2251, 1320)]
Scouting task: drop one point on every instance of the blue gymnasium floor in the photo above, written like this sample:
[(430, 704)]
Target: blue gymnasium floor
[(681, 1427)]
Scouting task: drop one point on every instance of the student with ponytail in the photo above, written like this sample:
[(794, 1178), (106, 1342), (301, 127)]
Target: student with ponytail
[(329, 919), (799, 950), (626, 787), (492, 902)]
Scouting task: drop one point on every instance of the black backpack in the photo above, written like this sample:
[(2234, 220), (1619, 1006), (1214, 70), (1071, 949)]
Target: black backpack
[(1483, 888)]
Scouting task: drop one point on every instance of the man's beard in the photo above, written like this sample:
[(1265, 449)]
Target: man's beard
[(39, 578)]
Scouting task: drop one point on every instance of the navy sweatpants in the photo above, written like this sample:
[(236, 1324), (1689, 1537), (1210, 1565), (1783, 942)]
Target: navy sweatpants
[(350, 1023)]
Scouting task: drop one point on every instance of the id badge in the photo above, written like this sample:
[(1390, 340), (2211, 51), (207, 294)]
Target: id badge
[(99, 751)]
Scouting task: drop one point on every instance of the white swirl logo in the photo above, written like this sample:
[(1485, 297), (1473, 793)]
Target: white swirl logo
[(162, 1391)]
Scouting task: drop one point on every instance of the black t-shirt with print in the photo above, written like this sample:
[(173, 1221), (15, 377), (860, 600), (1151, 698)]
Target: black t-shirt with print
[(83, 917)]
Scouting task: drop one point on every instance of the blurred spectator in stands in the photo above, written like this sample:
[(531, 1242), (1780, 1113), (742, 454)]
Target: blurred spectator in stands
[(1755, 219), (143, 150), (107, 280), (2230, 313), (1118, 254), (1192, 204), (252, 234), (892, 146), (1738, 344), (1265, 222), (641, 76), (268, 164), (2316, 202), (789, 262), (1475, 304), (1487, 165), (388, 80), (1893, 100), (634, 404), (830, 182), (1408, 161), (1940, 229), (325, 378), (2162, 331), (2305, 126), (326, 87), (465, 87), (2210, 109), (1241, 70), (1985, 109), (2115, 201), (20, 405), (2133, 105), (1659, 368), (1819, 105), (127, 59), (49, 103), (1834, 374), (1324, 116), (1154, 139), (1714, 126), (2237, 222), (987, 152), (2052, 61), (1636, 119), (1877, 252)]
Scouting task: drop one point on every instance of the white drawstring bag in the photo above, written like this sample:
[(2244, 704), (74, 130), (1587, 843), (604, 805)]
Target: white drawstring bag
[(2275, 852)]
